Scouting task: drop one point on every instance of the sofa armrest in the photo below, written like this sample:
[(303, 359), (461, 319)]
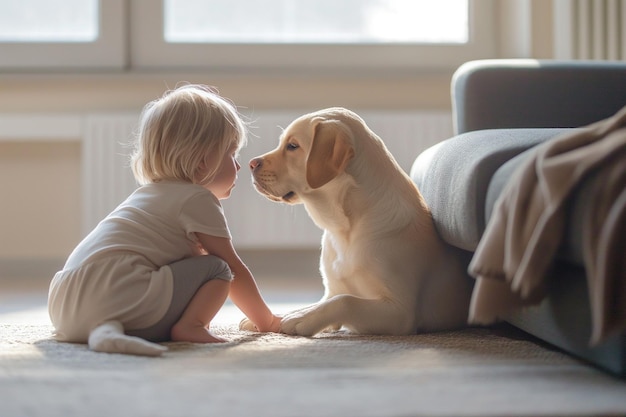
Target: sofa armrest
[(453, 177)]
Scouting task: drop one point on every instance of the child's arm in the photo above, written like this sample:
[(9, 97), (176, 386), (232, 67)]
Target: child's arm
[(243, 290)]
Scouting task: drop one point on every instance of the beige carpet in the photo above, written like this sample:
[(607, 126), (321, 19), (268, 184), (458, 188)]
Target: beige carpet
[(475, 372)]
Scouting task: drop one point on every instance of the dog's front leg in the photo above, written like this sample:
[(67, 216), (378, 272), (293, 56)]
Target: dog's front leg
[(359, 315)]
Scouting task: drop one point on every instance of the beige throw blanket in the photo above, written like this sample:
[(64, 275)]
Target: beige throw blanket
[(526, 229)]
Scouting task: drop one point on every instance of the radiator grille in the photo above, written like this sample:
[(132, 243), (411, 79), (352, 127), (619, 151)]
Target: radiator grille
[(591, 29), (106, 176)]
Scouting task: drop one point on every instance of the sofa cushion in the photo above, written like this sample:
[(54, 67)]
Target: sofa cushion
[(453, 177)]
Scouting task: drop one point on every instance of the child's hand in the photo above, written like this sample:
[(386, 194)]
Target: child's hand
[(275, 326), (197, 249), (247, 325)]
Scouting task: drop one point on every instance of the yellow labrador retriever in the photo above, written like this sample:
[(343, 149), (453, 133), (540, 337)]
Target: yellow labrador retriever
[(385, 269)]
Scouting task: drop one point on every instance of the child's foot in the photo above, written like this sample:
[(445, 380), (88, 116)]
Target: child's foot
[(109, 337), (194, 334)]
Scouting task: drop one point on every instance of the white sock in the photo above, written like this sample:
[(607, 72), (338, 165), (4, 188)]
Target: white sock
[(109, 337)]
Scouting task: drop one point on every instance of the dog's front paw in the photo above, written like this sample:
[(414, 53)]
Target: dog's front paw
[(297, 324), (289, 325), (247, 325)]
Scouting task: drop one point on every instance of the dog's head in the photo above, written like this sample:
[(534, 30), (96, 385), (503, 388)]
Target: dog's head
[(313, 150)]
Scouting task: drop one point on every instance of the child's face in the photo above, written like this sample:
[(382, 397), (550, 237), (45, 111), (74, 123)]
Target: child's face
[(224, 181)]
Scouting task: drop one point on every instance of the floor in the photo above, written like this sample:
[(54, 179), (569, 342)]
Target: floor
[(23, 301), (287, 280)]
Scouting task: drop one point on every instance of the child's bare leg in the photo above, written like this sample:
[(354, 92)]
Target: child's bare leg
[(193, 326)]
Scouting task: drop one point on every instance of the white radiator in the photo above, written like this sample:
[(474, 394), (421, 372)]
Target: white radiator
[(255, 222), (590, 29), (106, 176)]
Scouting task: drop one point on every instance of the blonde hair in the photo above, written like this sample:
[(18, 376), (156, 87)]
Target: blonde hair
[(187, 127)]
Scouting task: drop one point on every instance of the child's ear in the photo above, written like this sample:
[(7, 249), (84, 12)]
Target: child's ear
[(200, 175), (202, 166)]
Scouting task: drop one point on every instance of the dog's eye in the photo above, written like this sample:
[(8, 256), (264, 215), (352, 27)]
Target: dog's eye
[(292, 146)]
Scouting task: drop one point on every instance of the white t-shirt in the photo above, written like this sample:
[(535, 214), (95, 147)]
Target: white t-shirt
[(119, 271)]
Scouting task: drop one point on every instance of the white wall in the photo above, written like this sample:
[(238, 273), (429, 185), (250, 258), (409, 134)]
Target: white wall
[(40, 181)]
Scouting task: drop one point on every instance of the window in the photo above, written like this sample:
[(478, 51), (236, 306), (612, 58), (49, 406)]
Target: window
[(61, 34), (39, 21), (320, 21), (321, 35), (244, 35)]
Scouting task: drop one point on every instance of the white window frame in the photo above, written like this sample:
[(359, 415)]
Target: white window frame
[(150, 51), (108, 51), (131, 38)]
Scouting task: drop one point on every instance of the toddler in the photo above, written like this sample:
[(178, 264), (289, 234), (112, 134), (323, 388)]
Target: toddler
[(161, 265)]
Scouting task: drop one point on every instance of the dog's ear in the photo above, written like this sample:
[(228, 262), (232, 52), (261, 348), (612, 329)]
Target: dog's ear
[(330, 152)]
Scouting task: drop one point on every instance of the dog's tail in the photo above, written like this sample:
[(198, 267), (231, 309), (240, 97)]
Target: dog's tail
[(109, 337)]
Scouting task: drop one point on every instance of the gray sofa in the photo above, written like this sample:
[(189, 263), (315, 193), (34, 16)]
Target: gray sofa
[(501, 109)]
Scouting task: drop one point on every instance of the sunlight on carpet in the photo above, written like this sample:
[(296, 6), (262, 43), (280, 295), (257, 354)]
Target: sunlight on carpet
[(227, 315), (476, 371), (33, 315), (465, 373)]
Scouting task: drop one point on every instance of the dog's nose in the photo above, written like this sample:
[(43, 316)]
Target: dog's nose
[(255, 163)]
